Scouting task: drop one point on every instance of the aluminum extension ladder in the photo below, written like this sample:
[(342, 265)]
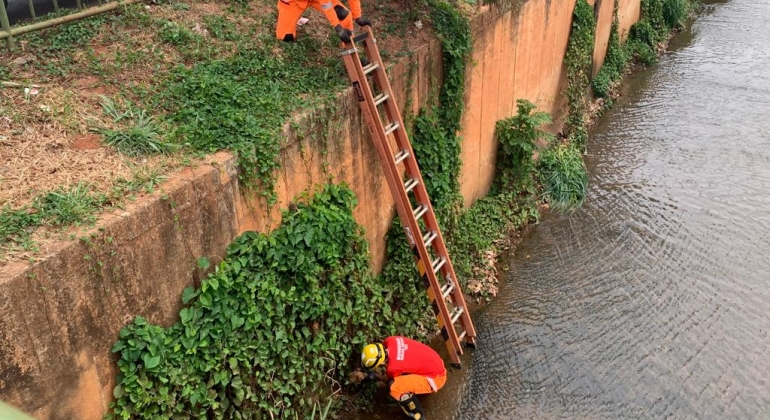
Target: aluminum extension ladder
[(419, 221)]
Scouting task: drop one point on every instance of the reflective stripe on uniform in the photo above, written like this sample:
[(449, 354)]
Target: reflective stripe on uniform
[(432, 384), (326, 6)]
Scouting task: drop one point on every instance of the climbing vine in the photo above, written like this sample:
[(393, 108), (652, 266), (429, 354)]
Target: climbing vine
[(271, 333), (614, 63), (578, 61)]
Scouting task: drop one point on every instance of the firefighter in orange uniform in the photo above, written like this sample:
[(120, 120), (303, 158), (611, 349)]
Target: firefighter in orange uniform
[(411, 368), (341, 19)]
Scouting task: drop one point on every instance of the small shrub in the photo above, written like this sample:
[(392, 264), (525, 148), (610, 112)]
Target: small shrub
[(564, 176), (518, 136)]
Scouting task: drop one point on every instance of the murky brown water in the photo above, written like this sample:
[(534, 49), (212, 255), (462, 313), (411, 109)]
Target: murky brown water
[(653, 300)]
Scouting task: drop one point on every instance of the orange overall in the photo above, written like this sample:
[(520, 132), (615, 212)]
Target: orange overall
[(289, 12), (414, 367)]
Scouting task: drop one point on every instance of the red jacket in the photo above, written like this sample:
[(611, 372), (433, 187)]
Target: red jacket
[(407, 356)]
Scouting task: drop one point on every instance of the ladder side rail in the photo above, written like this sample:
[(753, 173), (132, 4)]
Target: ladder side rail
[(363, 91), (421, 193), (391, 109)]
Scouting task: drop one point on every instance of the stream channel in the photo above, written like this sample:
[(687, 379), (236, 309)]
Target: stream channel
[(651, 301)]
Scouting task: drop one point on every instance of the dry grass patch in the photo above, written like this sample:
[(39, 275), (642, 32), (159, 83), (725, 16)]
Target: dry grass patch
[(59, 77)]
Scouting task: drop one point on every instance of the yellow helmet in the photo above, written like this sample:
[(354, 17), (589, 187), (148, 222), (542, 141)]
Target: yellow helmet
[(373, 355)]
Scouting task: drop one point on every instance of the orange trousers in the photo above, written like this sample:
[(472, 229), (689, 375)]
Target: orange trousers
[(289, 12), (415, 384)]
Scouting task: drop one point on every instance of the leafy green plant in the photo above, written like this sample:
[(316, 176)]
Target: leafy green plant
[(564, 175), (142, 135), (518, 136), (242, 103), (271, 330), (221, 28), (172, 33), (16, 224)]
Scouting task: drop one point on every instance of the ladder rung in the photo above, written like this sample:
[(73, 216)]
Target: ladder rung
[(447, 289), (400, 156), (438, 263), (429, 238), (371, 67), (382, 97), (409, 185), (461, 336), (391, 128), (456, 315), (420, 210)]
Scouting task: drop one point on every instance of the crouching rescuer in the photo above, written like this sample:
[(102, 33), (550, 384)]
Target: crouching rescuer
[(341, 19), (411, 368)]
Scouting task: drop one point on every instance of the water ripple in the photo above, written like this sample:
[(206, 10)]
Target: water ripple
[(651, 300)]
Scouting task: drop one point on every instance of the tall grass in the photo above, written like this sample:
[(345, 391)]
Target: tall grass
[(675, 11), (139, 136), (564, 176)]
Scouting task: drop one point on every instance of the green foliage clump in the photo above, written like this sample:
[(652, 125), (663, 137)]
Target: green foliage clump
[(271, 330), (564, 176), (578, 60), (437, 148), (658, 18), (242, 103), (221, 28), (65, 38), (435, 137), (16, 224), (518, 136), (172, 33)]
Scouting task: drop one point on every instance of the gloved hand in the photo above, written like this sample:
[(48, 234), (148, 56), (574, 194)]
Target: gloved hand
[(343, 33), (362, 21)]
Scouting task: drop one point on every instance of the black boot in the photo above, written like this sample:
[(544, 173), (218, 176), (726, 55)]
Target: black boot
[(411, 406)]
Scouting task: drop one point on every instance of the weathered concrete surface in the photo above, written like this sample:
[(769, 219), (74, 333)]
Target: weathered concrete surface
[(60, 315), (604, 13), (516, 55), (628, 14)]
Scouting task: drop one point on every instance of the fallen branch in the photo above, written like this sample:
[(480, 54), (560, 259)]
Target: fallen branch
[(15, 84)]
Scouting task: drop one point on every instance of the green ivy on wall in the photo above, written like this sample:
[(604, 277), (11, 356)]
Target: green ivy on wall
[(271, 330), (578, 60)]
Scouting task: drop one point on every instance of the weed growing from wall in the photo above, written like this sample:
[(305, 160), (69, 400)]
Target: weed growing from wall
[(271, 333), (578, 61)]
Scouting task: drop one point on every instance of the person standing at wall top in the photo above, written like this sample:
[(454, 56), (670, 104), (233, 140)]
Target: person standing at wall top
[(341, 19)]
